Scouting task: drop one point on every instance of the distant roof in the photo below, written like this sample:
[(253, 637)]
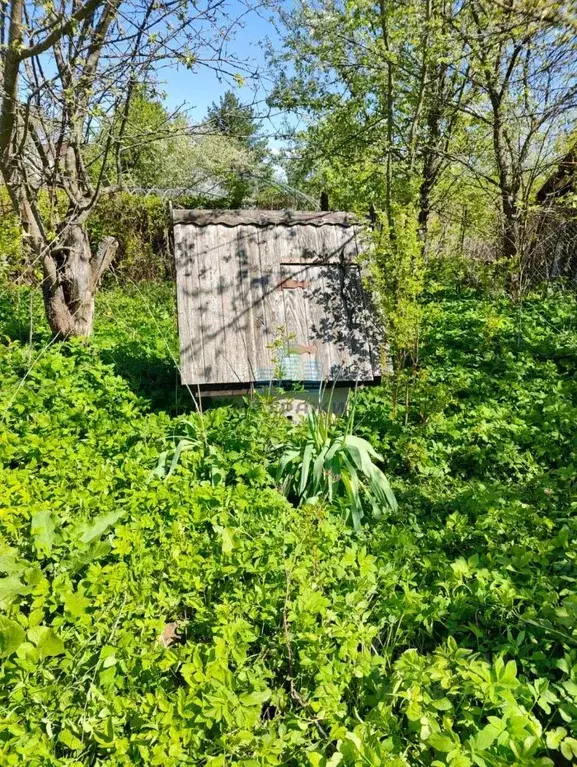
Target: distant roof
[(562, 181), (263, 218)]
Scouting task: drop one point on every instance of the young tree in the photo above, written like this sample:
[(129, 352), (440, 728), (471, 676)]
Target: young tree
[(237, 122), (70, 73), (230, 117), (148, 140), (407, 96), (382, 82)]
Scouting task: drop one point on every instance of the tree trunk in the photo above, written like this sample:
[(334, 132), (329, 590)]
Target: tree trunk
[(390, 107), (71, 277), (507, 186), (431, 161), (510, 225), (425, 190)]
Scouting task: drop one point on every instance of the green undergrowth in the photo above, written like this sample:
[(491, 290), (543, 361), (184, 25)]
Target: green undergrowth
[(205, 620), (135, 331)]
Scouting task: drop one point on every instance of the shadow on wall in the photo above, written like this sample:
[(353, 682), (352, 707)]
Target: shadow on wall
[(241, 286)]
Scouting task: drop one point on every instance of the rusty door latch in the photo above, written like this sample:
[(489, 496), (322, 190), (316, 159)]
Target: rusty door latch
[(290, 284)]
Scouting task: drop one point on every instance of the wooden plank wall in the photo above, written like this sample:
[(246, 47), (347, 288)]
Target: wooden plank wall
[(233, 314)]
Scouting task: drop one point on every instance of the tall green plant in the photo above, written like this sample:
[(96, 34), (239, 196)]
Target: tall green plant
[(330, 463), (399, 281)]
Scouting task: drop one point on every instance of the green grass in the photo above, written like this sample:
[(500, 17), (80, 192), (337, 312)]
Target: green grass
[(135, 332), (442, 633)]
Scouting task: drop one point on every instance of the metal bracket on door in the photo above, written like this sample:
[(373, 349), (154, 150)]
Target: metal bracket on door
[(291, 284)]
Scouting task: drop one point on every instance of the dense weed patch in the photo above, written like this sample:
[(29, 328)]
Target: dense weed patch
[(205, 620)]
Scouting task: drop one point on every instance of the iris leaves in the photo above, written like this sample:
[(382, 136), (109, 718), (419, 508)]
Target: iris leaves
[(330, 463)]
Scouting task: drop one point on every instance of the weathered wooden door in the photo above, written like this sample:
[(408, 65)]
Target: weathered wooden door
[(325, 323)]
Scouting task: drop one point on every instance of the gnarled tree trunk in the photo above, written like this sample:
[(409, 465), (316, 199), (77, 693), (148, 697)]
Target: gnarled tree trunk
[(68, 71), (71, 277)]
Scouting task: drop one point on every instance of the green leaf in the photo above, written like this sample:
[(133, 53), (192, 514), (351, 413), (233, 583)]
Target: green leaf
[(509, 676), (42, 529), (47, 642), (227, 540), (486, 737), (318, 469), (381, 487), (361, 453), (362, 446), (255, 698), (76, 603), (10, 588), (569, 748), (160, 468), (89, 532), (355, 740), (554, 737), (11, 636), (182, 447), (443, 704), (571, 688), (70, 740), (459, 760), (306, 465), (9, 563), (440, 742)]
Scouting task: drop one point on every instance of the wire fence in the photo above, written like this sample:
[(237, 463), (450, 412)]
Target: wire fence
[(549, 249), (547, 243)]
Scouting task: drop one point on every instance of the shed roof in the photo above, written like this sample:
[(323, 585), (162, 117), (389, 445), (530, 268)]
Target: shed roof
[(263, 218), (562, 181), (268, 295)]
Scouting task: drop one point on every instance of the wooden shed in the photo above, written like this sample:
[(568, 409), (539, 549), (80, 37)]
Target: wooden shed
[(269, 296)]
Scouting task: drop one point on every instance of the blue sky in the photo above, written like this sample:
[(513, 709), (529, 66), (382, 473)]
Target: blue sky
[(199, 88)]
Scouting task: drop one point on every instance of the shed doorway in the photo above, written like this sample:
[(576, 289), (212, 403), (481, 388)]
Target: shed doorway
[(325, 338)]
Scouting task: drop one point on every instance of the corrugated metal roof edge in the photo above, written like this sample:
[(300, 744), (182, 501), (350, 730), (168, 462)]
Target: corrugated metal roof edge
[(263, 218)]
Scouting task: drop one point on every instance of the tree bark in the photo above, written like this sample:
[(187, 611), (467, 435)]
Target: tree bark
[(437, 103), (510, 226), (71, 277), (425, 190)]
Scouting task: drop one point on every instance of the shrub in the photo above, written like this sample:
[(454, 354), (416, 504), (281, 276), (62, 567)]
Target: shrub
[(11, 248), (327, 462), (141, 226)]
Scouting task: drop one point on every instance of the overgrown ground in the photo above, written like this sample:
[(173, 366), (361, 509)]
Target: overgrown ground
[(443, 634)]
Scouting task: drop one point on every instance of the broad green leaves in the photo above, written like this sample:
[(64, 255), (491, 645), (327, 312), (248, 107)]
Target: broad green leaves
[(88, 533), (42, 531), (442, 634), (11, 636), (11, 587), (46, 641)]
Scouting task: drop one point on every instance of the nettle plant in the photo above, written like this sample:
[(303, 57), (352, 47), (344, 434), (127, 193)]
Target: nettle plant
[(329, 463)]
